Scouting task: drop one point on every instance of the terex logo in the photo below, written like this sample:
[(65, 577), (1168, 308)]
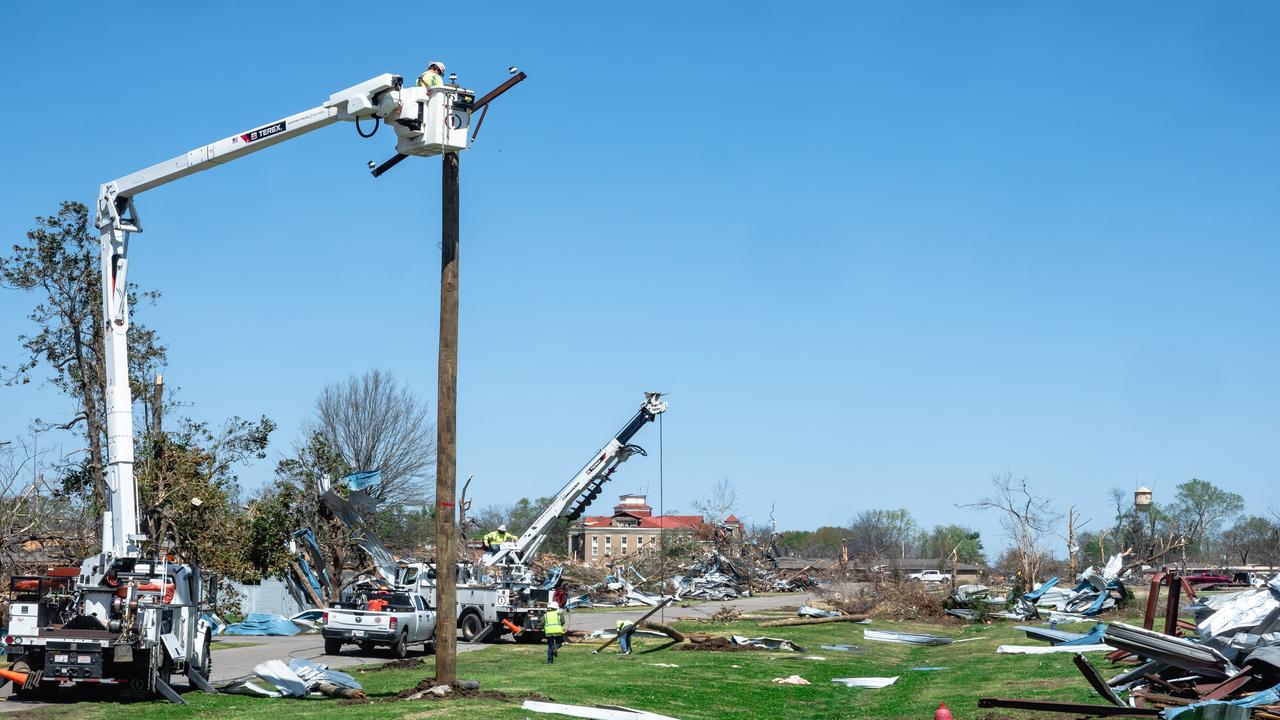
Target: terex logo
[(596, 464), (263, 132)]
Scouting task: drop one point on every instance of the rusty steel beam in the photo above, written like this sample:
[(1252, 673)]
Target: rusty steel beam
[(1230, 686), (1064, 707)]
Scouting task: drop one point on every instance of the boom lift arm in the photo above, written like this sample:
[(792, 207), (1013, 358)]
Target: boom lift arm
[(426, 122), (574, 497)]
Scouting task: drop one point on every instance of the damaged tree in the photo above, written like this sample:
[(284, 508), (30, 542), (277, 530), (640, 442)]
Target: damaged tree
[(59, 263), (1024, 517)]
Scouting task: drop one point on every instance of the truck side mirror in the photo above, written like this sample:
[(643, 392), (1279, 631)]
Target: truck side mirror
[(431, 574)]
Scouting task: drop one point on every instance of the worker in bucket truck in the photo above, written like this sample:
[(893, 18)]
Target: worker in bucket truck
[(433, 77), (493, 540)]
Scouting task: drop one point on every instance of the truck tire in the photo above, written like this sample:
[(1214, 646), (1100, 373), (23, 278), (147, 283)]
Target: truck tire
[(206, 665), (332, 647), (401, 648), (43, 692), (471, 625)]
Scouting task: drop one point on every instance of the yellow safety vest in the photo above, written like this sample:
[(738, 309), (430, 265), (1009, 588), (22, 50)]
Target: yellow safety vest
[(430, 79), (497, 537), (551, 623)]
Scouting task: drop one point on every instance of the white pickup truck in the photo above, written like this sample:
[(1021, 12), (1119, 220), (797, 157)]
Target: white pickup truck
[(934, 576), (392, 619)]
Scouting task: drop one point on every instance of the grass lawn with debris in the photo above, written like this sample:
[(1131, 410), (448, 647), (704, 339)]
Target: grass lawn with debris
[(705, 686)]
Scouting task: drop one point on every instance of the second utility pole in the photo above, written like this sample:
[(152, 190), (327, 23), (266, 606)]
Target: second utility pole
[(446, 430)]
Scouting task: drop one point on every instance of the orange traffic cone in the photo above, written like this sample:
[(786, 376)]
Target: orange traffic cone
[(942, 713), (19, 678)]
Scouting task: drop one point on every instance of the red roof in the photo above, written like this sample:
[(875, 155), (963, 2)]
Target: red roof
[(672, 521), (732, 519), (667, 522)]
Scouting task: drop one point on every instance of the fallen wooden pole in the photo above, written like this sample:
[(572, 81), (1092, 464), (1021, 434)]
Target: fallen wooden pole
[(665, 629), (812, 620), (665, 602)]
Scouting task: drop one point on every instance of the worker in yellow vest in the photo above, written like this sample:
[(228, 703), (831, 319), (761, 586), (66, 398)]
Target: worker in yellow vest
[(433, 77), (625, 630), (493, 540), (553, 628)]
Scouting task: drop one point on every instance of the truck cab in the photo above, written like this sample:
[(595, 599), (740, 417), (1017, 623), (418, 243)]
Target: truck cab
[(395, 619)]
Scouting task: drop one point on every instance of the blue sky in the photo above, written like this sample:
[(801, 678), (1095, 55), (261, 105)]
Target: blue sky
[(875, 252)]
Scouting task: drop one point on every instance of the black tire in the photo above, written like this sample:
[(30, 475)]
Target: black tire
[(429, 648), (401, 648), (332, 647), (40, 692), (206, 666), (471, 625)]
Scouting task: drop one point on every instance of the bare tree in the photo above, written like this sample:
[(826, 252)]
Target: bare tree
[(37, 525), (1024, 517), (376, 423), (879, 534), (723, 501)]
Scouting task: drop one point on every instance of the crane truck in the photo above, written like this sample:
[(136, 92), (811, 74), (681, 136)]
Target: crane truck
[(499, 593), (129, 616)]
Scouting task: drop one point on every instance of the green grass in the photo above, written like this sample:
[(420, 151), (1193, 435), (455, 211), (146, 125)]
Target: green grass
[(706, 686)]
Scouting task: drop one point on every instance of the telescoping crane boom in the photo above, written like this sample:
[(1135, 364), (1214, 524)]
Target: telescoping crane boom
[(578, 493), (130, 616)]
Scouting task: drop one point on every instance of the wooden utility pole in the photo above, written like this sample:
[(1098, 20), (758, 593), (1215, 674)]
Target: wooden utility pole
[(446, 429)]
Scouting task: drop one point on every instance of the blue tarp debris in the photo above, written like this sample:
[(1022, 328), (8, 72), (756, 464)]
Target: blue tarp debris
[(553, 578), (263, 624), (362, 480)]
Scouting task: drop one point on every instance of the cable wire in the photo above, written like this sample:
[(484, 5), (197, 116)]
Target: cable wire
[(377, 121)]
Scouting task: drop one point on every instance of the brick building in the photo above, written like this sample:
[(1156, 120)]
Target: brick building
[(633, 529)]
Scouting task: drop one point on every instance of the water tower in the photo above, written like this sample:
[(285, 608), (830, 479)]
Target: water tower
[(1142, 499)]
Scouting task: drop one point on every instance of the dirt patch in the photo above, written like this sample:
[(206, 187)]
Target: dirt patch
[(405, 664), (713, 644), (460, 692)]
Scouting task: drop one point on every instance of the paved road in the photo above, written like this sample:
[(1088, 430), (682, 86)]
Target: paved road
[(231, 663)]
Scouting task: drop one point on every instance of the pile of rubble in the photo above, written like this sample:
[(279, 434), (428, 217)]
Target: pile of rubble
[(1095, 593), (886, 600), (648, 579), (1231, 669)]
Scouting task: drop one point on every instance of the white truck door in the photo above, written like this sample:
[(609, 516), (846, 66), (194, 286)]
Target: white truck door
[(422, 619)]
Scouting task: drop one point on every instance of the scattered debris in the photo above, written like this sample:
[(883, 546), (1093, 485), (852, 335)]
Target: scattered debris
[(599, 712), (1230, 669), (903, 637), (813, 612), (665, 665), (765, 643), (929, 668), (299, 678), (726, 614), (1051, 649), (789, 622), (866, 682), (841, 648), (792, 680)]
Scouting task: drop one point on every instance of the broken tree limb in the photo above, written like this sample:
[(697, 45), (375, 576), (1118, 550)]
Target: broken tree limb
[(663, 628), (306, 585), (812, 620), (665, 602)]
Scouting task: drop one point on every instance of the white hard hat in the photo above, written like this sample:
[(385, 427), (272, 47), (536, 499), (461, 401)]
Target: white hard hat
[(438, 64), (503, 527), (553, 605)]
